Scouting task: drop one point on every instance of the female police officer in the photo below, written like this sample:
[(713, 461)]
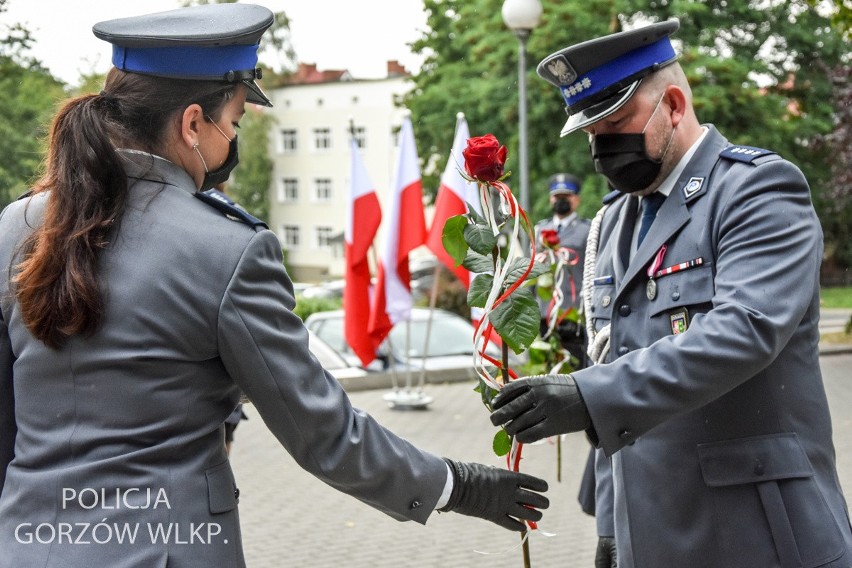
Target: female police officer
[(134, 313)]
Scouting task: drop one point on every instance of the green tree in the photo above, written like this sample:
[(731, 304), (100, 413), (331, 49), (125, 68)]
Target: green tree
[(30, 95), (249, 185), (761, 72)]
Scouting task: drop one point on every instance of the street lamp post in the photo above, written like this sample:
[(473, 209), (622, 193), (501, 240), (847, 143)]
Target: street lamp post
[(521, 16)]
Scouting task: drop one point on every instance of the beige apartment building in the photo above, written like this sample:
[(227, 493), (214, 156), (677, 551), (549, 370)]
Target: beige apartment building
[(311, 159)]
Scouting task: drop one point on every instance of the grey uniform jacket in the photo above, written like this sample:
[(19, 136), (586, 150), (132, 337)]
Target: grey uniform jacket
[(572, 236), (119, 457), (712, 405)]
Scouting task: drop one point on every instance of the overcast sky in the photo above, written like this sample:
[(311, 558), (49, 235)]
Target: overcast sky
[(335, 34)]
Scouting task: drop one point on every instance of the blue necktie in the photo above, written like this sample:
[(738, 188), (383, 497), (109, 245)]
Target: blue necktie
[(650, 205)]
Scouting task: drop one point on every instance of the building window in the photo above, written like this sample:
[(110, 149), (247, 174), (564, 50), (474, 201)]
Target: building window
[(322, 138), (322, 189), (288, 142), (290, 236), (288, 190), (360, 135), (324, 235)]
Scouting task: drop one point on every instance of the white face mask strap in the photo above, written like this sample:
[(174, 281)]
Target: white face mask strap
[(656, 108), (671, 136), (197, 151), (222, 131)]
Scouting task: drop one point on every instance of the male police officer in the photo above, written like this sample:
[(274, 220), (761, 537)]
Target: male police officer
[(572, 231), (710, 401)]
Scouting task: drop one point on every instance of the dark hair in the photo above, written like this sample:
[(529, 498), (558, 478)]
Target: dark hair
[(57, 282)]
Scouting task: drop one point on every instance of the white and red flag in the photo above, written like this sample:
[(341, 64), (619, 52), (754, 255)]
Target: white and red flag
[(454, 195), (363, 217), (405, 231)]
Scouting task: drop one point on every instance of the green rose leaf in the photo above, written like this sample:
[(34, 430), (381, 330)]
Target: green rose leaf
[(480, 238), (519, 266), (516, 319), (502, 443), (479, 290), (477, 263), (453, 238), (474, 216), (486, 392)]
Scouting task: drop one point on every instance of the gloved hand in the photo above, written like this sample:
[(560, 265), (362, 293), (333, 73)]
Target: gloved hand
[(605, 553), (497, 495), (538, 407)]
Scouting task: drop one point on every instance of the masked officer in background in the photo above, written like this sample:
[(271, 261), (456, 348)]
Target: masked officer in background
[(134, 309), (572, 232), (708, 397)]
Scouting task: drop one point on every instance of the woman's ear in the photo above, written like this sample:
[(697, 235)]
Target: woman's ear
[(190, 124)]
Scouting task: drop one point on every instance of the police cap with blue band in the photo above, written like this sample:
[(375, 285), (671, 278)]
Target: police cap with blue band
[(213, 42), (597, 77), (563, 184)]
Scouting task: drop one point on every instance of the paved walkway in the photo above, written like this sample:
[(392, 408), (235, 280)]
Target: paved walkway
[(290, 519)]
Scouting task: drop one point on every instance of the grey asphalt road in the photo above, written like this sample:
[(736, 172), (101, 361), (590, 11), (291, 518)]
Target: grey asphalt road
[(290, 519)]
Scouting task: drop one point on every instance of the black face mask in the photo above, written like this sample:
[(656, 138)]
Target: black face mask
[(561, 207), (624, 160), (221, 175)]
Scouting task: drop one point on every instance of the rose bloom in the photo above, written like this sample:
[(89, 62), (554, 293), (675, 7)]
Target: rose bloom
[(484, 158), (550, 238)]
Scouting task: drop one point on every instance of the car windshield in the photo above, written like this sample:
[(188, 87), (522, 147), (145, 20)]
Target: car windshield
[(448, 336)]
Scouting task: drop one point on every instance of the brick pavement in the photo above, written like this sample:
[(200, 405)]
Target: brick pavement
[(290, 519)]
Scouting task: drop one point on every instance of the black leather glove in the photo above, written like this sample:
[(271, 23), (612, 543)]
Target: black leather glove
[(605, 553), (534, 408), (497, 495)]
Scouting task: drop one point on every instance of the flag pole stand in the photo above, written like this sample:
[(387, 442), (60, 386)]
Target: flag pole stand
[(408, 399)]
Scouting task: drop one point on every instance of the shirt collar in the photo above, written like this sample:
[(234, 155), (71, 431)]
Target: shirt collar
[(668, 184), (557, 222)]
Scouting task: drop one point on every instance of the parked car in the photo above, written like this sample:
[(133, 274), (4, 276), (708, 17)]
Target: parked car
[(332, 361), (328, 289), (447, 357)]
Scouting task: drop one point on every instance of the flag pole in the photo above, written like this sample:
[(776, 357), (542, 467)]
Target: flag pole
[(433, 300)]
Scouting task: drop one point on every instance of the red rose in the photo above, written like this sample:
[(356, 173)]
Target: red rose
[(550, 238), (484, 158)]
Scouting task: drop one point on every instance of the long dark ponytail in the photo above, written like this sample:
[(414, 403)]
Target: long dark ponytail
[(57, 284)]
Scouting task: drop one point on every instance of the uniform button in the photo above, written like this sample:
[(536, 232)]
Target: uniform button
[(623, 350), (415, 504), (625, 434), (624, 311), (237, 494), (675, 295), (758, 468)]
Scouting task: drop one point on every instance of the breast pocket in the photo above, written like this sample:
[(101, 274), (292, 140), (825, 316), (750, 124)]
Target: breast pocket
[(679, 297), (602, 298), (764, 491)]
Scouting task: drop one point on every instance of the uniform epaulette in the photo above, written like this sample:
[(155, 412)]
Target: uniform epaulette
[(745, 154), (229, 207), (611, 196)]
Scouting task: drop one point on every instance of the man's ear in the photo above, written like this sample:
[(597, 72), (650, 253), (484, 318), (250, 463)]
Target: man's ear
[(676, 100), (190, 124)]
